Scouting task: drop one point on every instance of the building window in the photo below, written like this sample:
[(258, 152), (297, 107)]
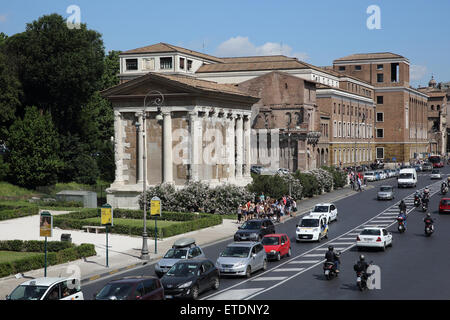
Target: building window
[(165, 63), (379, 99), (380, 133), (380, 153), (380, 116), (341, 68), (357, 68), (131, 64), (182, 63), (395, 72), (335, 129), (335, 108), (380, 77), (432, 107), (189, 65), (379, 67)]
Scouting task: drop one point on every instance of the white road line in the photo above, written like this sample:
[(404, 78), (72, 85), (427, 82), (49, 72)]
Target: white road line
[(342, 243), (289, 269), (326, 249), (236, 294), (313, 255), (349, 238), (303, 261), (269, 278)]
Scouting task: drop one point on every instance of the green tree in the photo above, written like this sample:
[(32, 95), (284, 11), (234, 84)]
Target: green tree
[(33, 145), (59, 68)]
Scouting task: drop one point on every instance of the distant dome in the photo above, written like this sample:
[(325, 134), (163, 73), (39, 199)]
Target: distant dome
[(432, 82)]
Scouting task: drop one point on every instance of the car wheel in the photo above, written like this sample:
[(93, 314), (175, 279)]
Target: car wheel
[(216, 283), (264, 265), (289, 252), (248, 272), (384, 247), (194, 292), (278, 256)]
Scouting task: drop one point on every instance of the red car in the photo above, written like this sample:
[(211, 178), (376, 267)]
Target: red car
[(276, 246), (444, 205)]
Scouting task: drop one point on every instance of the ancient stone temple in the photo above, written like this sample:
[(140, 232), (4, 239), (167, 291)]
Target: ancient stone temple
[(174, 129)]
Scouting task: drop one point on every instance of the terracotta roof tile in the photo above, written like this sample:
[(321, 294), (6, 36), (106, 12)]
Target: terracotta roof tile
[(368, 56)]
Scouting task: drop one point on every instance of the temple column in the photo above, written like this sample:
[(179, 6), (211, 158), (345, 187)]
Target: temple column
[(239, 146), (247, 147), (118, 147), (167, 148)]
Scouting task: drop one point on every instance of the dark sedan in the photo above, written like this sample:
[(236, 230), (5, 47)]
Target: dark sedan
[(254, 230), (189, 278), (132, 288)]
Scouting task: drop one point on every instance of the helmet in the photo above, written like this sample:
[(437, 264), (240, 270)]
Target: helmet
[(330, 248), (428, 214), (361, 258)]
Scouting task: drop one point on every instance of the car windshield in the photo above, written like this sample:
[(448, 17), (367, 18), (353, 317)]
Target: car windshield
[(115, 291), (321, 209), (445, 202), (176, 254), (405, 176), (182, 269), (435, 171), (370, 232), (271, 241), (309, 223), (28, 292), (385, 189), (369, 173), (251, 225), (235, 252)]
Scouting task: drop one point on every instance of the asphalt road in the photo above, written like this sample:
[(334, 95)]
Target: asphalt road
[(414, 268)]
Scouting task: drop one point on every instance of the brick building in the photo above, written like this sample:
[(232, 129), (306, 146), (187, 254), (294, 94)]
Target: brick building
[(401, 117)]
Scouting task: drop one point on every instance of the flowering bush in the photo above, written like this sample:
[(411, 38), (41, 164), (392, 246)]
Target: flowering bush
[(324, 178), (166, 192), (309, 182), (296, 188), (224, 199), (339, 176), (192, 197)]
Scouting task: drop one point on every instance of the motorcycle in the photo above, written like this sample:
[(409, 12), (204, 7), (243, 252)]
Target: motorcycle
[(424, 206), (401, 225), (429, 229), (361, 279), (417, 201), (444, 189), (329, 269)]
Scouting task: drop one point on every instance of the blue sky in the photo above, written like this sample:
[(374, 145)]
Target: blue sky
[(317, 31)]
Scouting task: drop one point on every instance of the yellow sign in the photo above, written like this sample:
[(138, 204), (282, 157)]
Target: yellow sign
[(46, 224), (107, 215), (155, 206)]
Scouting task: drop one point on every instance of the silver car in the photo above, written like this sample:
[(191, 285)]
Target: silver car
[(184, 248), (386, 193), (435, 174), (242, 259)]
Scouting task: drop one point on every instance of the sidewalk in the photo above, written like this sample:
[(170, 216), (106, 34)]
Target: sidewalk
[(124, 251)]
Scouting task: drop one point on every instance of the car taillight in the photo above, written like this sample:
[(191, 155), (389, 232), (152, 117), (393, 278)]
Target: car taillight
[(378, 239)]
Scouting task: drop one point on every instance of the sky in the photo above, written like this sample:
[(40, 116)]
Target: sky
[(314, 31)]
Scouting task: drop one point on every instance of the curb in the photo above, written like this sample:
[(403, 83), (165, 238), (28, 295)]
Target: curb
[(136, 265)]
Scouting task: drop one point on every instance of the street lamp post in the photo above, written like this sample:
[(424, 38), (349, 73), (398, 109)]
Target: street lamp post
[(158, 102)]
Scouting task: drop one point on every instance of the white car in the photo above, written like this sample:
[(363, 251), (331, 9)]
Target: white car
[(328, 209), (312, 227), (435, 174), (370, 176), (48, 289), (374, 237)]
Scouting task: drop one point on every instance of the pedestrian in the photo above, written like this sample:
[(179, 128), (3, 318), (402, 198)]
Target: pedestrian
[(359, 184), (239, 214)]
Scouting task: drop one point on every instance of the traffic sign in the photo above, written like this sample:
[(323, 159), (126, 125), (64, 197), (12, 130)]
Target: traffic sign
[(107, 215), (46, 224), (155, 206)]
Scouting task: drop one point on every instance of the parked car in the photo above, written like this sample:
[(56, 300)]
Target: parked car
[(182, 249), (418, 167), (374, 238), (132, 288), (254, 230), (435, 174), (328, 209), (385, 193), (189, 278), (277, 246), (48, 289), (242, 258), (283, 171), (370, 176), (256, 169), (444, 205)]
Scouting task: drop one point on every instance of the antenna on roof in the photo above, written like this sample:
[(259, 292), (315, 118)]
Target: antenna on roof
[(203, 46)]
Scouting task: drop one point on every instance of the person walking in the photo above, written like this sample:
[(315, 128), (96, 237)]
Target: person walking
[(239, 214)]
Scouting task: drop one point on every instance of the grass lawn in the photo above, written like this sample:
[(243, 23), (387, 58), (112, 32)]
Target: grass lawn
[(135, 222), (10, 256), (8, 191)]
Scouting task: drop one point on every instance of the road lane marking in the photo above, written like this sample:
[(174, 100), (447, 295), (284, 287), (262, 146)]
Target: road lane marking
[(236, 294), (289, 269), (303, 261)]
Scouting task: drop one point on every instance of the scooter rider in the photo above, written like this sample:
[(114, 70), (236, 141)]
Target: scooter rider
[(361, 266), (428, 221), (426, 196), (417, 198), (402, 206), (331, 256)]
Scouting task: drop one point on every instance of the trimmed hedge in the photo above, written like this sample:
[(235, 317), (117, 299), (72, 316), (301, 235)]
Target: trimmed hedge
[(18, 212), (38, 261), (33, 245), (191, 221)]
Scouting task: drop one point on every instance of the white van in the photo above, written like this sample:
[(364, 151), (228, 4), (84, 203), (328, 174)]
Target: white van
[(407, 178), (312, 227)]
